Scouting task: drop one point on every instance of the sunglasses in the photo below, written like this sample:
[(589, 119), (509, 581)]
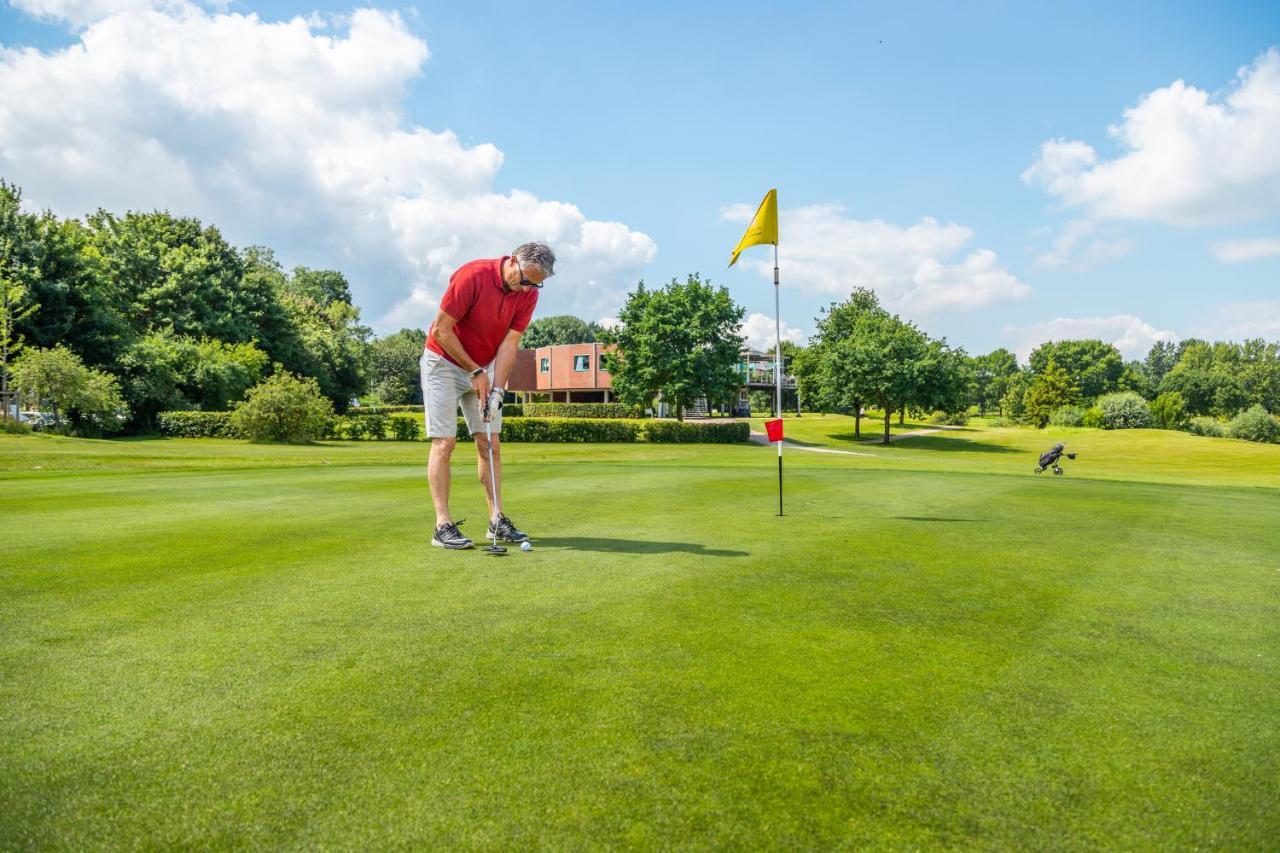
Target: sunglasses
[(524, 281)]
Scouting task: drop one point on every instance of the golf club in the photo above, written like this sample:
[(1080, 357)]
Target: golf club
[(493, 548)]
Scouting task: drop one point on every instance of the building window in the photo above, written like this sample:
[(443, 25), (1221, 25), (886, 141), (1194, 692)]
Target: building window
[(545, 367), (581, 363)]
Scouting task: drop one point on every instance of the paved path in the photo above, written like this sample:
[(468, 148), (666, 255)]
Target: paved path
[(761, 438)]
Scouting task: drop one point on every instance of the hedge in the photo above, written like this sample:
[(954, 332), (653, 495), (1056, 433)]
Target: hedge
[(196, 425), (672, 432), (512, 409), (516, 429), (578, 410)]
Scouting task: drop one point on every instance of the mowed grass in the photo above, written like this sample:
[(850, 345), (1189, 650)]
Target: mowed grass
[(224, 645)]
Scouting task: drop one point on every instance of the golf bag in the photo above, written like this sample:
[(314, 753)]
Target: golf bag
[(1050, 459)]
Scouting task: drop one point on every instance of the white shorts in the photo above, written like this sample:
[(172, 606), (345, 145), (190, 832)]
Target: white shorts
[(445, 387)]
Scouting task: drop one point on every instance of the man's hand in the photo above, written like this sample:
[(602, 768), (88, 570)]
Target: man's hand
[(480, 384), (493, 404)]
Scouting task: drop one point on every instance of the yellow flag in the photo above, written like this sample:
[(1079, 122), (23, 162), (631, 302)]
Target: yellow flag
[(763, 229)]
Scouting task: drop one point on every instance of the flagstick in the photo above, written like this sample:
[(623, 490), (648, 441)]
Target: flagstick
[(777, 362)]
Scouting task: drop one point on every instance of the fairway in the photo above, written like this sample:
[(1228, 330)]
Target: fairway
[(211, 643)]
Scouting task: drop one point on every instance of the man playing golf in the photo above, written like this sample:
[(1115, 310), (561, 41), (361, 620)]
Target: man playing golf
[(470, 350)]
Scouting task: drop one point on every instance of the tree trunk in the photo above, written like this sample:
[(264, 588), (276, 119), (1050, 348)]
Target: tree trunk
[(888, 413), (902, 415), (857, 419), (680, 411)]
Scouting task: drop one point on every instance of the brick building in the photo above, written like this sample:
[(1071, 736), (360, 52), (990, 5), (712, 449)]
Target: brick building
[(567, 373)]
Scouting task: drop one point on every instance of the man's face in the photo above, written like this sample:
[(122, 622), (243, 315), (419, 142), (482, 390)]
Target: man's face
[(521, 278)]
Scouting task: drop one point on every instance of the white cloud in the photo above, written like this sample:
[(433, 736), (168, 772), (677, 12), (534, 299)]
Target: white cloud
[(911, 269), (291, 134), (1077, 245), (1236, 251), (1240, 320), (1191, 157), (761, 334), (1131, 335)]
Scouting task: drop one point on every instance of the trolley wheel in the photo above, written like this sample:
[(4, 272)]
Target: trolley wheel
[(1057, 472), (1038, 470)]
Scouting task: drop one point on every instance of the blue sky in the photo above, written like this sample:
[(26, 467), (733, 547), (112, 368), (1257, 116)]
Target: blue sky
[(905, 141)]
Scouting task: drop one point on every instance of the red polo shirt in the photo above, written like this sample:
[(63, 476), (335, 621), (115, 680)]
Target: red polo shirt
[(485, 311)]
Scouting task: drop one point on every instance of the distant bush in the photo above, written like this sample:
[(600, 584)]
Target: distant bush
[(1254, 424), (283, 408), (1093, 418), (196, 425), (577, 410), (1124, 410), (406, 428), (365, 427), (1205, 426), (675, 432), (1067, 416), (948, 419), (1169, 411), (383, 410), (12, 427)]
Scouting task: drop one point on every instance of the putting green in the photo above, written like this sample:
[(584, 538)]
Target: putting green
[(219, 644)]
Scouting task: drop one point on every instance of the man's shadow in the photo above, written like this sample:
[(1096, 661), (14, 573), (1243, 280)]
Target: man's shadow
[(632, 546)]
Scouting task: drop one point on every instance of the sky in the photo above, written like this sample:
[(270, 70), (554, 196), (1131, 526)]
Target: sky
[(1001, 174)]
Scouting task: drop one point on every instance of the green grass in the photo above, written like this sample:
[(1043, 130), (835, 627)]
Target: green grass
[(217, 644)]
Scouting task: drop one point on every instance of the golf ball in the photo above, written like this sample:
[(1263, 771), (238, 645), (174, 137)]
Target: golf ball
[(525, 546)]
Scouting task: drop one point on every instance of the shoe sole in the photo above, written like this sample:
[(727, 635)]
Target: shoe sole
[(439, 544)]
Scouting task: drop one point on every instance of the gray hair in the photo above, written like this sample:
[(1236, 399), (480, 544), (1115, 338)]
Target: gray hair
[(537, 255)]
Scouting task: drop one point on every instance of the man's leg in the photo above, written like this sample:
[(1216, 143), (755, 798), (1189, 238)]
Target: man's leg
[(439, 477), (482, 466)]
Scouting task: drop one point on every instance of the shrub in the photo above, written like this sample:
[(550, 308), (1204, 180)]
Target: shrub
[(283, 408), (196, 425), (1093, 418), (1067, 416), (596, 430), (1205, 426), (577, 410), (1124, 410), (365, 427), (12, 427), (1169, 411), (673, 432), (406, 428), (948, 418), (1254, 424)]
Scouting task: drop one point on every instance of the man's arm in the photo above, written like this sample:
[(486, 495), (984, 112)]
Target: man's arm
[(505, 358), (447, 337)]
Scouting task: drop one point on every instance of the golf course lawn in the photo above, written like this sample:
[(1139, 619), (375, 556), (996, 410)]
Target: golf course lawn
[(218, 644)]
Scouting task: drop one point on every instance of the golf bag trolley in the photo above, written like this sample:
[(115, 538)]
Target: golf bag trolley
[(1049, 459)]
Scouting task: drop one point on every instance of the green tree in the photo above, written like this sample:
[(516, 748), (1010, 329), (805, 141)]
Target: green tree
[(991, 374), (881, 361), (821, 369), (1194, 384), (1013, 405), (173, 273), (1050, 389), (59, 381), (18, 271), (1134, 378), (559, 329), (1169, 411), (681, 342), (1094, 366), (1160, 359), (224, 372), (393, 367)]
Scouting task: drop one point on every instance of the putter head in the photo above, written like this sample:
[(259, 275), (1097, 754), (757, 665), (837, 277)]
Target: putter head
[(494, 550)]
